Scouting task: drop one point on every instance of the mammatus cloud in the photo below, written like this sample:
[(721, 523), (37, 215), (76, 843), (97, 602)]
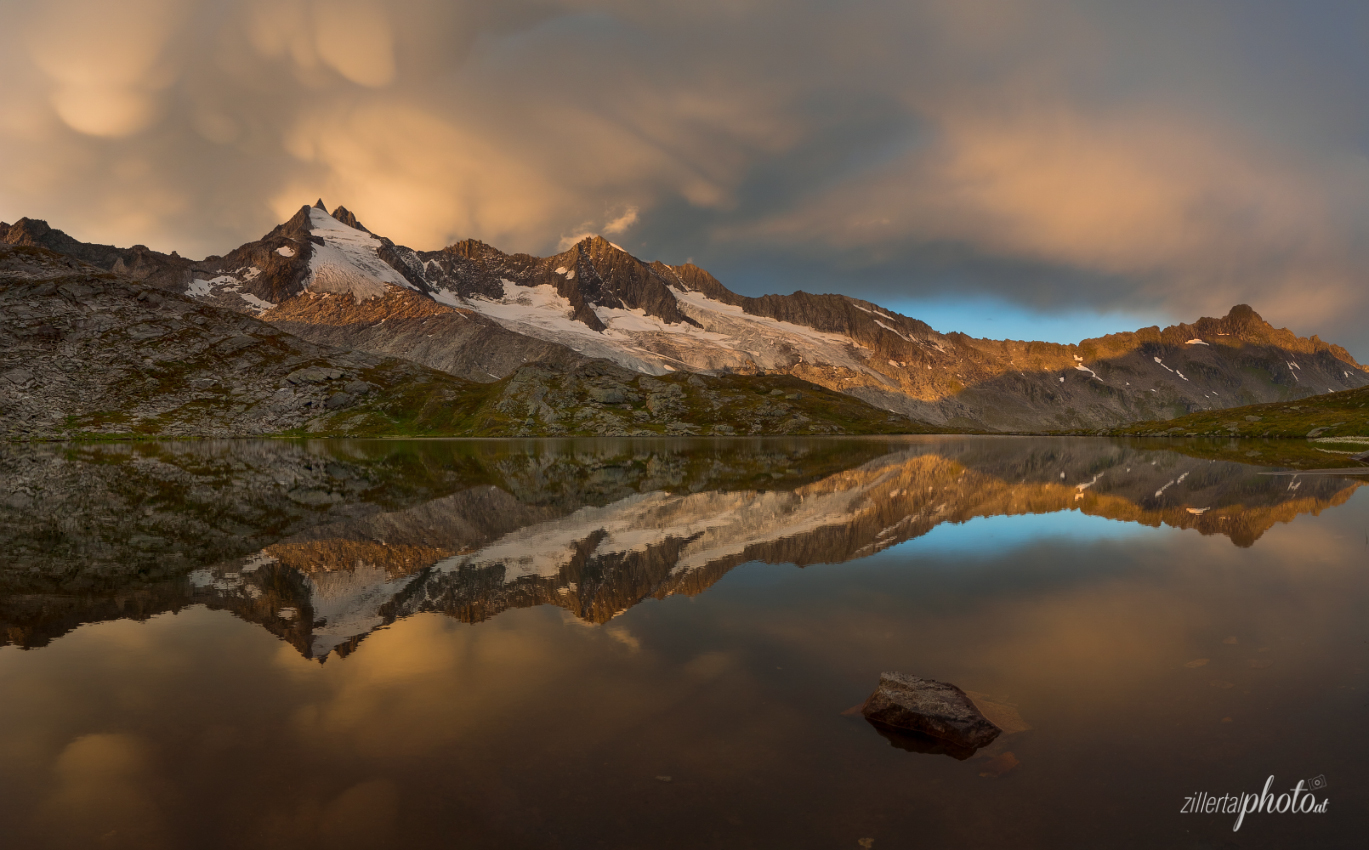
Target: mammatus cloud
[(103, 787), (1138, 158), (106, 64)]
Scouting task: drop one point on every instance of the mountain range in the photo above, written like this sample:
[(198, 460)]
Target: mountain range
[(480, 315)]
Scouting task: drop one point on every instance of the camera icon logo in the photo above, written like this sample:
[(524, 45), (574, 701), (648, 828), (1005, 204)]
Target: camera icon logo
[(1317, 783)]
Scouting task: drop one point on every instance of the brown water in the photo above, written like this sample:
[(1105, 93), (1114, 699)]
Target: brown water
[(612, 643)]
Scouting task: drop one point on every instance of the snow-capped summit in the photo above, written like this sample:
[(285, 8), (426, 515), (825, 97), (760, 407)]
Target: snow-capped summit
[(346, 261)]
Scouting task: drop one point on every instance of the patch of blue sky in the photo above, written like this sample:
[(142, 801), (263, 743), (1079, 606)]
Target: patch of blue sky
[(995, 318), (991, 536)]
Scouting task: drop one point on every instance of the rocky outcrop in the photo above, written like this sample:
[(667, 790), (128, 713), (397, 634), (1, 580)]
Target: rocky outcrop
[(138, 262), (927, 707), (91, 353)]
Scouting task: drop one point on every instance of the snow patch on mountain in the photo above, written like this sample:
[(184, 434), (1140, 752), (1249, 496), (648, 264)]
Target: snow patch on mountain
[(199, 288), (261, 305), (728, 339), (349, 601), (770, 343), (229, 284), (895, 331), (347, 263), (543, 313), (718, 525)]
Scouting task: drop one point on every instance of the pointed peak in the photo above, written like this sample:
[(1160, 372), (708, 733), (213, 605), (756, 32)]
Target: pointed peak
[(25, 229), (599, 243), (346, 216), (301, 216), (318, 205)]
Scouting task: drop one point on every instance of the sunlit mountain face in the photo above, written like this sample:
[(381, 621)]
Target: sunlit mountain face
[(323, 543)]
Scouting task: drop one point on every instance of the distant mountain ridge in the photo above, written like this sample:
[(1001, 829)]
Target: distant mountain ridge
[(478, 313)]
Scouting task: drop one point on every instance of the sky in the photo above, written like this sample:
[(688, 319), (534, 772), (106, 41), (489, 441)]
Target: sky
[(1033, 169)]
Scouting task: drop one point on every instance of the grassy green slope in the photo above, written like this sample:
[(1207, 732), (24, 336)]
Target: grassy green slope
[(1342, 414), (1317, 432), (599, 399)]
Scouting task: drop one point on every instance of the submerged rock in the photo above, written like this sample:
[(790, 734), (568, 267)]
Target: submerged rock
[(927, 707)]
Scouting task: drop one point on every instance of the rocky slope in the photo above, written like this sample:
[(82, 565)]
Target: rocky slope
[(478, 313), (323, 543), (89, 352)]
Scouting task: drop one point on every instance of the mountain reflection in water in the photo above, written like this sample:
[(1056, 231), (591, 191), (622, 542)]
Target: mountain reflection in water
[(605, 643), (322, 543)]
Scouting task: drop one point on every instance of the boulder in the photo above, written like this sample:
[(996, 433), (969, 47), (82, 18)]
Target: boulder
[(607, 395), (927, 707)]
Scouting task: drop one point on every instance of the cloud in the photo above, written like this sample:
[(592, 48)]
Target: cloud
[(1135, 158), (567, 242), (104, 63), (356, 40), (102, 790), (622, 222), (585, 230)]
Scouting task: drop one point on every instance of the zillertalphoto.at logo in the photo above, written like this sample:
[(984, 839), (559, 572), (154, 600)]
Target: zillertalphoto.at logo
[(1298, 800)]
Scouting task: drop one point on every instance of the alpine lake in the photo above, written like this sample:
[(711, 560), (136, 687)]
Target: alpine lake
[(651, 643)]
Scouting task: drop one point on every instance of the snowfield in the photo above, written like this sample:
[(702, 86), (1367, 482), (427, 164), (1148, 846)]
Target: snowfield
[(347, 263), (719, 525), (729, 339)]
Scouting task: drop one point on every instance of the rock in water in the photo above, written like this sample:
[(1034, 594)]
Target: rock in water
[(936, 709)]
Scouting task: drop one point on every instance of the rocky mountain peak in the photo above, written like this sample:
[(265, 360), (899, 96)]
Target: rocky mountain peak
[(25, 231), (319, 205), (1243, 317), (297, 227), (470, 249), (345, 216), (598, 245), (610, 277)]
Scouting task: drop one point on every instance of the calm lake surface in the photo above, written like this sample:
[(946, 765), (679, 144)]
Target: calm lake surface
[(652, 644)]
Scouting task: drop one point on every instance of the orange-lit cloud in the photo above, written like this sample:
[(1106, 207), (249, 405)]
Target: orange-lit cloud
[(105, 63)]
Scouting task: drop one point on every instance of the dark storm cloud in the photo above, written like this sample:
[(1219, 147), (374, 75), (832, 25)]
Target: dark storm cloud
[(1172, 157)]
